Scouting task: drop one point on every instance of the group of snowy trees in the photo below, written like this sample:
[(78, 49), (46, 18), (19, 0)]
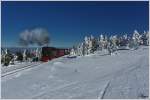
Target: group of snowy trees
[(9, 58), (88, 46), (112, 43), (33, 55)]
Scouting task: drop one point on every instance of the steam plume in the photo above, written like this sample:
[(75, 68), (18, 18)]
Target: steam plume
[(37, 36)]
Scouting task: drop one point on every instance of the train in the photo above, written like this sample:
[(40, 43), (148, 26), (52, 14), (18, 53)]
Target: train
[(43, 54), (49, 53)]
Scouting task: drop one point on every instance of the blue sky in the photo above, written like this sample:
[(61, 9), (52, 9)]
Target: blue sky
[(69, 22)]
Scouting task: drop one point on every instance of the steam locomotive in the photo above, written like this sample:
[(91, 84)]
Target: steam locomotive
[(49, 53)]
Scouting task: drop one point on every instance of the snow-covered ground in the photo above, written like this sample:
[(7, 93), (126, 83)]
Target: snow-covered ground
[(125, 75), (17, 66)]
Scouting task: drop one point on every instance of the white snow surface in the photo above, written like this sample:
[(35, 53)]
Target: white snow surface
[(124, 75)]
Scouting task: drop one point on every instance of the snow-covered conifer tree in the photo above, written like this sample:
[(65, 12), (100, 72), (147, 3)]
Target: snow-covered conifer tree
[(135, 40), (136, 35), (147, 37), (37, 53), (79, 49), (90, 44), (6, 51), (125, 41), (101, 42), (105, 41), (73, 51), (112, 47), (83, 48), (7, 57), (24, 55), (86, 45)]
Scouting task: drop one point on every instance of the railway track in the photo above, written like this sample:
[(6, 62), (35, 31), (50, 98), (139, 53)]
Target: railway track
[(7, 72), (15, 70)]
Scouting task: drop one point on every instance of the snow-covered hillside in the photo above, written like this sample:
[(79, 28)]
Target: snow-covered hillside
[(124, 75)]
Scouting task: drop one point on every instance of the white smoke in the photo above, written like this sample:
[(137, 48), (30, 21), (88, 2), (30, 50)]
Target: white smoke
[(37, 36)]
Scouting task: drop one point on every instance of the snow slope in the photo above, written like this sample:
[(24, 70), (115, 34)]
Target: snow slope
[(98, 75), (17, 66)]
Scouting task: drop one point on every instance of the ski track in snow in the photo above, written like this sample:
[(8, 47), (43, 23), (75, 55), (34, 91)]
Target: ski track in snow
[(120, 76), (103, 91)]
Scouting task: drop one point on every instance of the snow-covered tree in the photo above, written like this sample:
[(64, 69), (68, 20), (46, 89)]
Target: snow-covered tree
[(112, 46), (125, 41), (136, 36), (79, 49), (86, 45), (24, 55), (105, 41), (12, 59), (7, 57), (2, 55), (73, 53), (135, 40), (6, 51), (145, 38), (90, 45), (101, 42)]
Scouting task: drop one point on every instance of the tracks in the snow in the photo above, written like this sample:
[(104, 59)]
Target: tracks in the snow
[(103, 91), (19, 69)]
